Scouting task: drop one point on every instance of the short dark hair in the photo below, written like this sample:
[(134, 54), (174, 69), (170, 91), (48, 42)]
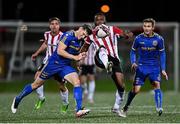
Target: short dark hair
[(151, 20), (54, 18), (99, 14), (88, 28)]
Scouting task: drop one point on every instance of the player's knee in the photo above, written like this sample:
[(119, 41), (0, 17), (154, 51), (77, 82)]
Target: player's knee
[(37, 83), (62, 87), (136, 90), (76, 82)]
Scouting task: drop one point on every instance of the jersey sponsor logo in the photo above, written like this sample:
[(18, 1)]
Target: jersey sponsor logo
[(142, 42), (73, 47), (155, 43), (148, 48)]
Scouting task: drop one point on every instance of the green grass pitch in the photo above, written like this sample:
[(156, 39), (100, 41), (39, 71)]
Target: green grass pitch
[(141, 111)]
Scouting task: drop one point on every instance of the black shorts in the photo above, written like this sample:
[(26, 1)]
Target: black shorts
[(116, 63), (87, 69)]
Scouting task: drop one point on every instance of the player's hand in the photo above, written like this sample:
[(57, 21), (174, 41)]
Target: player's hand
[(134, 66), (165, 74), (33, 57), (128, 34), (80, 56)]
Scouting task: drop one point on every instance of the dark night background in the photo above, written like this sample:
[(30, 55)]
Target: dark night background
[(120, 10)]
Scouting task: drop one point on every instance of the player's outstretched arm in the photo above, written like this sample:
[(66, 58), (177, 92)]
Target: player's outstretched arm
[(40, 50)]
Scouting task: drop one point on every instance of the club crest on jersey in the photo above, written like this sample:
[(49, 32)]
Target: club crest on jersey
[(155, 43)]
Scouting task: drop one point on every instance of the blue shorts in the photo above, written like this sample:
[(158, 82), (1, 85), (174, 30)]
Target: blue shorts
[(52, 68), (142, 72)]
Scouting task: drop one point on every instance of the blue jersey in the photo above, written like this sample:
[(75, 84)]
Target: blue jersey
[(149, 50), (59, 65), (73, 46)]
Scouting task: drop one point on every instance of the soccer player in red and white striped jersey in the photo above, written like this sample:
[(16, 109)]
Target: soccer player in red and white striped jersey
[(106, 56), (87, 74), (52, 39)]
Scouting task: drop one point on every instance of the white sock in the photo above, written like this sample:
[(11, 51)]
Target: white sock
[(119, 100), (40, 92), (103, 56), (91, 90), (64, 97), (85, 89)]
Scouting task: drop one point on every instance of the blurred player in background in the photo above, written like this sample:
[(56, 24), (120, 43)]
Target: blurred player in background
[(60, 63), (52, 39), (151, 63), (106, 56), (87, 74)]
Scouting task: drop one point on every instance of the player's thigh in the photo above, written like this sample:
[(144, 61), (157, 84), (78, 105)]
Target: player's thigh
[(37, 74), (83, 79), (136, 88), (91, 77), (139, 77), (69, 73), (91, 72), (73, 78), (61, 83), (155, 76), (156, 85), (49, 70), (37, 83)]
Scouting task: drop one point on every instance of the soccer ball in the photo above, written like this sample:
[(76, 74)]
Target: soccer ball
[(102, 31)]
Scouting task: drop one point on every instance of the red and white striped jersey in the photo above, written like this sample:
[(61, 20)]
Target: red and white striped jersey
[(109, 42), (52, 42), (89, 59)]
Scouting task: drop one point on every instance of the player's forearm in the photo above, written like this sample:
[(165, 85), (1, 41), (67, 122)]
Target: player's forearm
[(133, 56), (41, 49), (65, 54), (163, 60)]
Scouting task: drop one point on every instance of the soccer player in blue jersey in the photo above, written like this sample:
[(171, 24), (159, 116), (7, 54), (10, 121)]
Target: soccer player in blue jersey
[(60, 63), (151, 63)]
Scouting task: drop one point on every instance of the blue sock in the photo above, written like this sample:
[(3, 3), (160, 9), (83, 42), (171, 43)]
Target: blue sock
[(158, 98), (78, 97), (27, 90)]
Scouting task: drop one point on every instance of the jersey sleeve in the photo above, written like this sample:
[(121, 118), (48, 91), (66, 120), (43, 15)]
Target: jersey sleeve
[(162, 53), (117, 31), (65, 39), (135, 44), (161, 44), (45, 36)]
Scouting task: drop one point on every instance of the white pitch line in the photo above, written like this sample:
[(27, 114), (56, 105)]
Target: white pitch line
[(144, 106)]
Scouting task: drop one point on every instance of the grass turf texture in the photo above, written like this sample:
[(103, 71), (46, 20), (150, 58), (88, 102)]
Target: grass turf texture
[(141, 111)]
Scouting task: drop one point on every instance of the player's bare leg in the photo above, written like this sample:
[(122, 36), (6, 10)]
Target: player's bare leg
[(91, 88), (64, 97), (27, 90), (131, 95), (40, 92), (119, 81), (83, 79), (73, 78)]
